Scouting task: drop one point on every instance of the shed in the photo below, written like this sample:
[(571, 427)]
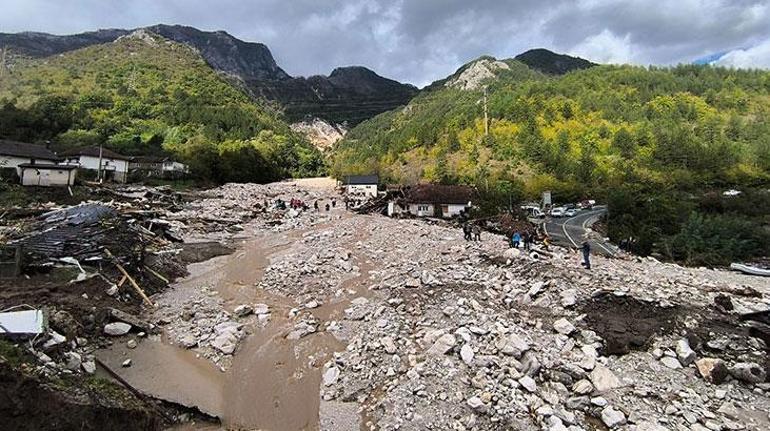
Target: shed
[(361, 184), (47, 175)]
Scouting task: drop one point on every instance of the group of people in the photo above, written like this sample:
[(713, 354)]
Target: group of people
[(523, 239), (327, 207), (472, 232)]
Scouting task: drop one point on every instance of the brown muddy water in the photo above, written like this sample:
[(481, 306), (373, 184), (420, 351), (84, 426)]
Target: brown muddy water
[(273, 383)]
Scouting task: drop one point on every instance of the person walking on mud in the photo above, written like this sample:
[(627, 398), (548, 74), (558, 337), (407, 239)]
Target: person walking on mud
[(585, 247)]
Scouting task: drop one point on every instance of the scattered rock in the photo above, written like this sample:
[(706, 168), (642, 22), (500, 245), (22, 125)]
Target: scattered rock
[(444, 344), (748, 372), (603, 379), (563, 326), (612, 417), (126, 363), (117, 329), (683, 351), (466, 353), (330, 376), (528, 383), (243, 310), (712, 370)]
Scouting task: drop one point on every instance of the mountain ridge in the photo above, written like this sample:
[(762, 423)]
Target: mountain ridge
[(347, 95)]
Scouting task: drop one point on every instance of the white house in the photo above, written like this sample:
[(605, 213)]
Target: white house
[(47, 175), (361, 184), (433, 200), (13, 154), (163, 167), (113, 165)]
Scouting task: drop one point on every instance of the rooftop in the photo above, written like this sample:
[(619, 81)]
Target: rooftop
[(362, 179), (439, 194), (23, 149), (94, 152)]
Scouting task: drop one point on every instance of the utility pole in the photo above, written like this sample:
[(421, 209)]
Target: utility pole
[(2, 60), (486, 115), (99, 171)]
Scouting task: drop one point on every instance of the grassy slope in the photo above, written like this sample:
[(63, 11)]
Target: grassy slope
[(575, 119), (139, 96)]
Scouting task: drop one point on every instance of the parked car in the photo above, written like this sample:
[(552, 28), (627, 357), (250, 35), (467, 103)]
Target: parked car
[(572, 212), (533, 211), (557, 212)]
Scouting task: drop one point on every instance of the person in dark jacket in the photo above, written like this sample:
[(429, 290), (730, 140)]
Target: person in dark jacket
[(586, 249)]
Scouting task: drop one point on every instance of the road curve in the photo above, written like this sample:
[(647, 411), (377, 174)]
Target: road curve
[(572, 231)]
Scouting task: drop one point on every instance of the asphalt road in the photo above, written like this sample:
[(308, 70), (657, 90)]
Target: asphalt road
[(571, 231)]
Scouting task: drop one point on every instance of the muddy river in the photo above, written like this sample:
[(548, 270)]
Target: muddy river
[(273, 383)]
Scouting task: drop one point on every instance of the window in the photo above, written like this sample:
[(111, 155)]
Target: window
[(422, 208)]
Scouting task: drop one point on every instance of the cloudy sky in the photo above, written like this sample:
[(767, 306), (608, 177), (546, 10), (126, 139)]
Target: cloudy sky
[(419, 41)]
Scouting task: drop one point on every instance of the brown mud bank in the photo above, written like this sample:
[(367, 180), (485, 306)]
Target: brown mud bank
[(29, 402)]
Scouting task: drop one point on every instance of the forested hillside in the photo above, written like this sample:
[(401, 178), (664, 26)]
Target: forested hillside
[(658, 143), (143, 94)]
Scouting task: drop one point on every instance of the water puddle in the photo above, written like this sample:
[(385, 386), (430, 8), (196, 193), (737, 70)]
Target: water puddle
[(169, 373)]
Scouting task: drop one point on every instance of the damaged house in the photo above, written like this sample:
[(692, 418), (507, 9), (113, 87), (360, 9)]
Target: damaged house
[(111, 165), (157, 167), (432, 200), (34, 165)]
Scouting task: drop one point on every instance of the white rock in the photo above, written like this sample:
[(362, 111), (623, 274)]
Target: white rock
[(444, 344), (670, 362), (312, 304), (612, 417), (748, 372), (475, 403), (225, 342), (389, 345), (55, 340), (603, 379), (89, 367), (261, 309), (126, 363), (331, 375), (563, 326), (683, 351), (583, 387), (568, 298), (131, 344), (528, 383), (512, 345), (466, 353), (72, 361), (188, 341), (117, 329)]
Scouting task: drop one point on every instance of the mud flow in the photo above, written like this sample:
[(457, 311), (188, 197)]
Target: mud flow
[(627, 323)]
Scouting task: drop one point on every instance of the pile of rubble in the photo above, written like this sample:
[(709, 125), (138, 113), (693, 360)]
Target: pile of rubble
[(446, 334)]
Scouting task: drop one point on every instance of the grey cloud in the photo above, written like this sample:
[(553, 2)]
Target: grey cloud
[(419, 41)]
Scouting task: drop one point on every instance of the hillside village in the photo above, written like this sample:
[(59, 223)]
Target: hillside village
[(192, 238)]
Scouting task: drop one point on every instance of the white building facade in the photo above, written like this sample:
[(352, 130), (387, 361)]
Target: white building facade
[(365, 185)]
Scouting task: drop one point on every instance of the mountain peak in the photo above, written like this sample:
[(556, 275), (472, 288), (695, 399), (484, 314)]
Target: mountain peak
[(552, 63)]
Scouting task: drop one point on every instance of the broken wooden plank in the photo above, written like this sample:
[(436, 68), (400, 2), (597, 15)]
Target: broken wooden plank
[(130, 279)]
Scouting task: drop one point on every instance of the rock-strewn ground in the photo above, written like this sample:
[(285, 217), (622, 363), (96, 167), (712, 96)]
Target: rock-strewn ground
[(439, 333)]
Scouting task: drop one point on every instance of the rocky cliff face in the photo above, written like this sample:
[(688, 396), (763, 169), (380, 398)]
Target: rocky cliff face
[(348, 95)]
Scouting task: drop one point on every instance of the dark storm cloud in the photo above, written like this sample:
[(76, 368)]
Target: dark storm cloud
[(422, 40)]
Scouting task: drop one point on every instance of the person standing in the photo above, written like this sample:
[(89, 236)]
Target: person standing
[(586, 248), (527, 239), (467, 231), (315, 205), (516, 239), (476, 233)]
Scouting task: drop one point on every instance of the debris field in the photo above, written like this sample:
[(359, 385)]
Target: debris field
[(400, 324)]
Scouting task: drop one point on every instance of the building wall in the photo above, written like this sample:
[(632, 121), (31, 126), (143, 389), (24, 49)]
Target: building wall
[(14, 162), (47, 177), (427, 210), (120, 167), (367, 189)]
